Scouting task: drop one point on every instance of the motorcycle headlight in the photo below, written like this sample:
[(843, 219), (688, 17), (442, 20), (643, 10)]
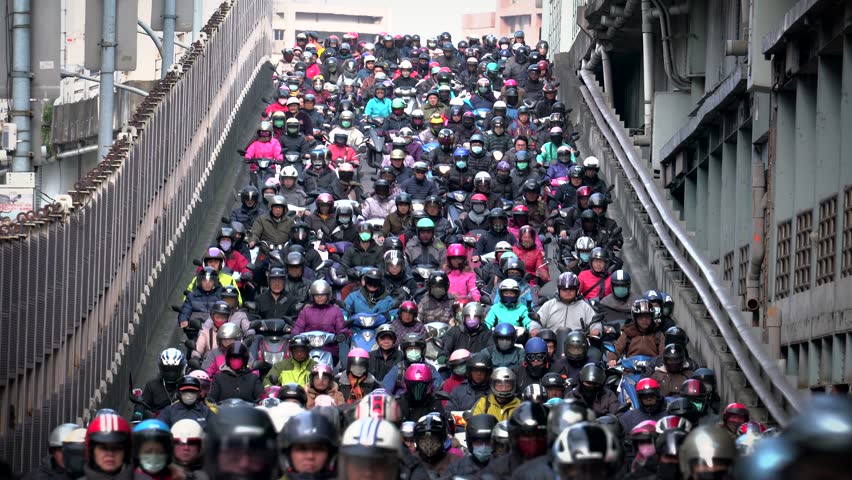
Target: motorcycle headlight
[(366, 320), (315, 341), (263, 163)]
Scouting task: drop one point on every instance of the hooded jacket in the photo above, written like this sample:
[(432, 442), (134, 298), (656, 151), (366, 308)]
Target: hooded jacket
[(333, 392), (632, 342), (374, 207), (319, 181), (463, 284), (244, 384), (199, 411), (500, 313), (325, 318), (555, 314), (459, 337), (417, 252), (488, 404), (359, 302)]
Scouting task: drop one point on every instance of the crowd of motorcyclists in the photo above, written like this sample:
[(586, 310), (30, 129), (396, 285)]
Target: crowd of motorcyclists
[(374, 306)]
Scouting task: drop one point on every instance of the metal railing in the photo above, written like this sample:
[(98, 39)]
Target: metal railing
[(81, 289), (761, 371)]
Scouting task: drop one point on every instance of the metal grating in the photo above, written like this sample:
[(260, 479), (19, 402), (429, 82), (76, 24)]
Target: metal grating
[(782, 259), (846, 246), (802, 268), (728, 267), (826, 247)]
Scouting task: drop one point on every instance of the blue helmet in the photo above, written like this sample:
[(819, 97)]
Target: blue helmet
[(152, 431), (654, 296), (535, 345), (621, 277), (505, 330), (461, 153)]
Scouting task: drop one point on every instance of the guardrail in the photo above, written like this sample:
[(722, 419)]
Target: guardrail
[(761, 372), (81, 288)]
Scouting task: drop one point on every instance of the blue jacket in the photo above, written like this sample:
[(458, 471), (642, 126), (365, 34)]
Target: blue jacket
[(556, 170), (378, 108), (499, 313), (356, 302)]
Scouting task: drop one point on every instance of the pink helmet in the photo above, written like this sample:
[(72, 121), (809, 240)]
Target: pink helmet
[(325, 198), (418, 381), (456, 250), (510, 83), (358, 353), (321, 369)]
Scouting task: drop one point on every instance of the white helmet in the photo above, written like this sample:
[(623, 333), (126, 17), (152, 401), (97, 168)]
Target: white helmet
[(405, 65), (503, 246), (499, 104), (58, 434), (289, 172), (187, 429), (379, 405), (281, 413), (584, 244), (585, 443), (457, 102), (380, 77), (78, 435), (591, 162), (171, 357), (482, 177), (509, 284), (371, 437)]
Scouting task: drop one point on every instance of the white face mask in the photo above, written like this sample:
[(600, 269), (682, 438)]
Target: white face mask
[(226, 245), (152, 462), (189, 398), (357, 371)]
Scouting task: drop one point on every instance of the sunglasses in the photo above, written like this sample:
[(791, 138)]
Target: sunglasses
[(536, 357), (189, 442)]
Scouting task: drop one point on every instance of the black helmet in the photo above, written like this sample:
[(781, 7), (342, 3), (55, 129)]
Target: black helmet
[(479, 428), (513, 263), (221, 308), (249, 193), (597, 200), (592, 373), (300, 232), (431, 426), (547, 335), (600, 253), (403, 198), (553, 380), (237, 350), (683, 407), (674, 356), (374, 277), (576, 346), (480, 361), (276, 272), (676, 335), (412, 340), (240, 431), (588, 215), (188, 382), (299, 341), (293, 391), (308, 428), (528, 419), (706, 376), (565, 414)]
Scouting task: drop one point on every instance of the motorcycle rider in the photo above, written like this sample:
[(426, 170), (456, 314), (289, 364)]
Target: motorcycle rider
[(503, 351), (240, 443), (477, 216), (639, 337), (533, 84), (305, 125), (476, 385), (591, 392), (343, 229), (354, 137), (322, 382), (568, 309), (550, 150), (483, 97), (430, 437), (480, 158), (413, 347), (387, 355), (201, 297), (249, 208), (321, 314), (320, 177), (508, 309), (399, 158), (347, 186), (235, 379), (591, 167), (273, 227), (372, 297), (577, 356), (220, 314), (399, 217), (309, 443), (189, 404), (433, 108), (497, 232), (436, 123), (108, 448), (443, 155), (460, 177), (672, 373), (295, 369), (322, 220), (535, 365), (502, 401), (596, 281), (479, 447), (356, 382), (188, 437), (275, 302), (365, 252), (341, 152), (497, 139), (652, 405), (407, 320), (290, 188), (425, 248), (417, 399), (418, 186), (437, 304), (503, 187), (55, 465)]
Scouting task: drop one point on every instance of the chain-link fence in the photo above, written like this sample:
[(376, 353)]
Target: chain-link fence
[(81, 288)]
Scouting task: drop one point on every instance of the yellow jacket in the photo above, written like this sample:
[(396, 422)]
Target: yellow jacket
[(224, 280), (489, 405)]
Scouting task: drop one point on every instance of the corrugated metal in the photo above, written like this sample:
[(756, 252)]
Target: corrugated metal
[(77, 279)]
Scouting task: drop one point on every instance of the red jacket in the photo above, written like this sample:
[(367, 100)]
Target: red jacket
[(533, 261), (589, 285), (275, 107), (347, 153), (312, 71)]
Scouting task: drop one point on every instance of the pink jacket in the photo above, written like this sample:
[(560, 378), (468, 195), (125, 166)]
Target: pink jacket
[(270, 149), (463, 284)]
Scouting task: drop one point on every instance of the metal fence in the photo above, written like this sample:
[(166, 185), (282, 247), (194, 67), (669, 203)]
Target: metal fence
[(80, 290)]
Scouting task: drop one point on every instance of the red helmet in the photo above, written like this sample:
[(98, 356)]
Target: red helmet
[(270, 392), (752, 427), (107, 428), (408, 306), (510, 83), (379, 405), (519, 210), (456, 250), (584, 191), (735, 409), (648, 386), (478, 197), (673, 422), (645, 431), (542, 65)]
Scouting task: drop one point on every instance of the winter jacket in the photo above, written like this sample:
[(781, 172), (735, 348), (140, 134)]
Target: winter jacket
[(379, 366), (333, 392), (290, 371), (354, 136), (395, 123), (511, 359), (438, 108), (419, 190), (244, 384), (604, 403), (458, 337), (412, 411), (670, 383), (197, 300), (503, 187), (346, 190), (463, 284), (401, 329), (547, 157), (199, 412), (344, 153), (319, 181), (555, 314), (326, 318), (345, 384), (632, 342), (478, 102), (393, 381), (593, 286), (47, 470), (488, 404), (460, 180), (437, 469), (378, 107), (488, 242), (126, 473), (434, 253), (597, 184), (515, 70), (281, 307), (494, 142), (465, 396), (480, 163), (613, 308), (355, 256), (635, 416), (533, 261), (358, 302), (500, 313), (558, 170), (374, 207), (270, 150), (247, 216), (395, 223), (434, 310), (272, 230)]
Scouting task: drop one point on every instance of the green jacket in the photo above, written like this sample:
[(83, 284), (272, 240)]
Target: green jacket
[(517, 316), (290, 371), (548, 154)]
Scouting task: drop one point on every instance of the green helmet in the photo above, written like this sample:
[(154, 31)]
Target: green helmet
[(491, 67), (425, 223), (398, 103)]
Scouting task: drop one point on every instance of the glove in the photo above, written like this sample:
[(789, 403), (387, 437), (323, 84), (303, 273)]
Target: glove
[(340, 337)]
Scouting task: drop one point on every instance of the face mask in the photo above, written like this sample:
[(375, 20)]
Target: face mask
[(482, 452), (345, 220), (278, 124), (478, 208), (621, 292), (358, 371), (585, 257), (523, 165), (509, 301), (152, 462), (189, 398), (476, 149), (499, 227), (365, 236), (225, 245), (430, 446), (460, 370), (472, 323), (218, 322), (461, 165), (647, 449), (504, 344), (413, 355), (236, 363), (656, 311), (528, 244), (345, 124)]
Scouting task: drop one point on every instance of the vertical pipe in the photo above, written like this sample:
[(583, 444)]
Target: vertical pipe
[(22, 85), (169, 16), (607, 74), (758, 216), (648, 63), (197, 18), (107, 93)]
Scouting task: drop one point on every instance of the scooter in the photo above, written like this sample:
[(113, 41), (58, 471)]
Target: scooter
[(266, 169), (364, 326), (318, 340), (630, 371), (272, 335), (435, 333)]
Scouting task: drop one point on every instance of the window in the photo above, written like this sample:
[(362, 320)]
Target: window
[(802, 267), (279, 34), (782, 259)]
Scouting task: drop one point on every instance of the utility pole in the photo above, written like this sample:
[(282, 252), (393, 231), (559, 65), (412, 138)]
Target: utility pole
[(107, 93), (169, 19), (197, 18), (22, 84)]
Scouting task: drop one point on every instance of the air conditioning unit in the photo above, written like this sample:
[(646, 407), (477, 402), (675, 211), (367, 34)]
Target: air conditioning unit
[(8, 136)]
